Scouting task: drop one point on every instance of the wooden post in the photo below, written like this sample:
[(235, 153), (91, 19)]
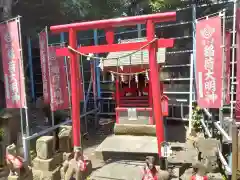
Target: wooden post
[(234, 151)]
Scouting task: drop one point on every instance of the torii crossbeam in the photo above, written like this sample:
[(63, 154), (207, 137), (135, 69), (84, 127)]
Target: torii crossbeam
[(108, 26)]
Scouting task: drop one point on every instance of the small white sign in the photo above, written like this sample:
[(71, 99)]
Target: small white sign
[(132, 114), (166, 150)]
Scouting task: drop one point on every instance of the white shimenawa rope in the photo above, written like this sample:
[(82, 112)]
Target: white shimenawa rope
[(91, 56)]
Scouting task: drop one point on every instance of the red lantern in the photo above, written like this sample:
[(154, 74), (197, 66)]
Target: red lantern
[(164, 101)]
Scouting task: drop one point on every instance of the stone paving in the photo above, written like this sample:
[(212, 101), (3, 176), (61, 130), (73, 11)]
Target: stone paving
[(183, 153)]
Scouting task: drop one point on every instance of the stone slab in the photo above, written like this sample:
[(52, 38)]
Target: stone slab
[(121, 170), (135, 129), (215, 176), (13, 178), (123, 145), (47, 175), (49, 164), (204, 145)]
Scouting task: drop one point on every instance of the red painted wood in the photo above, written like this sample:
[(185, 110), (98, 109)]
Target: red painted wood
[(163, 43), (132, 104), (104, 24), (155, 86), (107, 23), (122, 109), (110, 35), (134, 100), (75, 84)]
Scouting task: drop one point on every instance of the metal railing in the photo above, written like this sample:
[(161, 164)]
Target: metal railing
[(26, 139), (228, 166)]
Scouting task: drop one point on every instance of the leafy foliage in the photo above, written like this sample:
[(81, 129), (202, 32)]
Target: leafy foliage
[(1, 133), (159, 5), (95, 9), (196, 118)]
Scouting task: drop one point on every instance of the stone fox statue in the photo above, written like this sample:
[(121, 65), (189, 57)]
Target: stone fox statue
[(14, 162), (150, 171)]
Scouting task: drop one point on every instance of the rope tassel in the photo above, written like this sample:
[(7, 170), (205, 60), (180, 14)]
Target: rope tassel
[(122, 78), (146, 75), (101, 64), (112, 77), (136, 78), (90, 56)]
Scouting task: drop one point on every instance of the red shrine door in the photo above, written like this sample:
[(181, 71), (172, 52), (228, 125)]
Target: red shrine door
[(108, 26)]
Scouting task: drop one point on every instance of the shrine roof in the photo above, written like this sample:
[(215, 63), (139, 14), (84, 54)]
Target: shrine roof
[(138, 58)]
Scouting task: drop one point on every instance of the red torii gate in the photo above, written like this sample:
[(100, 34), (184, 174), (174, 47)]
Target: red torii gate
[(108, 26)]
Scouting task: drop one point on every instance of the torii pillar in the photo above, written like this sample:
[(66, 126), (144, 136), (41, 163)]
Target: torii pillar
[(108, 26)]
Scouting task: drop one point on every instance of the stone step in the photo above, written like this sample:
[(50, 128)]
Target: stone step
[(127, 147)]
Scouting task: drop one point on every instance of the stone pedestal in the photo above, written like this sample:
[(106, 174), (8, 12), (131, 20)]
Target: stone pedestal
[(13, 177), (46, 166), (46, 175), (26, 175), (45, 147)]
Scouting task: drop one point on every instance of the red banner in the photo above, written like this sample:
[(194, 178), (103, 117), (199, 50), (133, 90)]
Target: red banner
[(228, 59), (209, 63), (12, 65), (43, 44), (237, 107), (58, 81)]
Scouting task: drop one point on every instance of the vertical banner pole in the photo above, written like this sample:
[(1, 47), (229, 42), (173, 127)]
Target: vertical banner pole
[(98, 73), (234, 151), (233, 56), (30, 64), (86, 96), (93, 78), (190, 95), (223, 15), (62, 40), (49, 75), (25, 142), (194, 48)]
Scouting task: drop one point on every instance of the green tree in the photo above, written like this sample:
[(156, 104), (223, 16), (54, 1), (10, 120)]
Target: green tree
[(162, 5)]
